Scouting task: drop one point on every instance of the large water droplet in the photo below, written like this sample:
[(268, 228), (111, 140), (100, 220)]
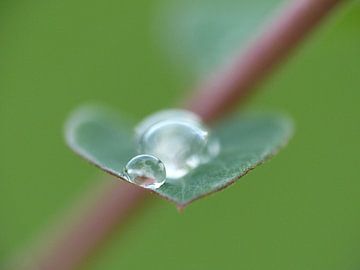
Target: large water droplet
[(211, 150), (178, 138), (171, 114), (146, 171)]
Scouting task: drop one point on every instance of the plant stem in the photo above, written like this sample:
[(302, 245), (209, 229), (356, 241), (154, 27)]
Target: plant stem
[(92, 220), (228, 86), (215, 97)]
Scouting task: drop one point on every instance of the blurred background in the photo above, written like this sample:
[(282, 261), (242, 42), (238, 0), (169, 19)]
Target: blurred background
[(299, 211)]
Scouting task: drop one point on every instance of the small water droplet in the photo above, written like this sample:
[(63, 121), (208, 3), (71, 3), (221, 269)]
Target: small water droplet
[(146, 171)]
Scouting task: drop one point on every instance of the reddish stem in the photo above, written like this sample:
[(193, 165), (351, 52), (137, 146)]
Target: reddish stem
[(222, 92), (115, 203), (95, 216), (217, 96)]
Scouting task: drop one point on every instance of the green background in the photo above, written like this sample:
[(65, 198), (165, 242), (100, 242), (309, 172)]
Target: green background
[(299, 211)]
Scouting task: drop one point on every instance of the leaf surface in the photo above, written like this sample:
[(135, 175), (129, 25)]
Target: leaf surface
[(106, 140)]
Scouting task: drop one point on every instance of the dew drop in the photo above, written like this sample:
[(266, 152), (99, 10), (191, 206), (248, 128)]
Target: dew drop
[(173, 114), (211, 150), (146, 171), (178, 138)]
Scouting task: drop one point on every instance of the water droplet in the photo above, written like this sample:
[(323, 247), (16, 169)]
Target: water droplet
[(211, 150), (146, 171), (173, 114), (178, 138)]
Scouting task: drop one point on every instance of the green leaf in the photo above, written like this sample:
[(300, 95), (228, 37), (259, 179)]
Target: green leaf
[(104, 139), (205, 33)]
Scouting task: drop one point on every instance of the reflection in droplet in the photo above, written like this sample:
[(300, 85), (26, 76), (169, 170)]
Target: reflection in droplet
[(146, 171)]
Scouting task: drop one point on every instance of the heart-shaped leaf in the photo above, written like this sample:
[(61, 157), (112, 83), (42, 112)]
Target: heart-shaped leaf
[(104, 139)]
